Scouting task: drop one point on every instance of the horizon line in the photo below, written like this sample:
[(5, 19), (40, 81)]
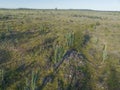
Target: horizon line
[(22, 8)]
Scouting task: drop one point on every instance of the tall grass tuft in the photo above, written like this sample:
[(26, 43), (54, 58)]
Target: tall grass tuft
[(35, 78), (70, 37), (104, 54), (27, 83), (42, 29), (58, 53), (31, 84), (1, 78)]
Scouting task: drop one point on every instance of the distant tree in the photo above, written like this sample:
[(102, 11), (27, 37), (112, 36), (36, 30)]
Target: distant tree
[(56, 8)]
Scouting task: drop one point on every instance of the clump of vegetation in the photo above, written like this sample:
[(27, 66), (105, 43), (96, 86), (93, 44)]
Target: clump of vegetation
[(113, 80), (42, 29), (97, 23), (58, 53), (104, 54), (70, 39), (2, 35), (31, 84), (2, 79)]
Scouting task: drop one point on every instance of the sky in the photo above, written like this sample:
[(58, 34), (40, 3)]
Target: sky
[(112, 5)]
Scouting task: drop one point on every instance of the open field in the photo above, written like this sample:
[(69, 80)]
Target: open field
[(59, 50)]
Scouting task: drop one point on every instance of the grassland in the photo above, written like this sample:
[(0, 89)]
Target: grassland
[(59, 50)]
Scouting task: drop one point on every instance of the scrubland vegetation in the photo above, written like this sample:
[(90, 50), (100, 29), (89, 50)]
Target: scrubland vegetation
[(59, 50)]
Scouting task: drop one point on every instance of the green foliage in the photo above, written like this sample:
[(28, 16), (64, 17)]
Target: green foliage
[(44, 28), (58, 53), (27, 83), (35, 78), (2, 72), (78, 40), (94, 40), (30, 35), (104, 54), (97, 23), (9, 29), (113, 80), (32, 83), (70, 39), (2, 35), (5, 17)]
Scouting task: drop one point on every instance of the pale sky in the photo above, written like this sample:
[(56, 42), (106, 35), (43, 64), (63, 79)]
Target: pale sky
[(62, 4)]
